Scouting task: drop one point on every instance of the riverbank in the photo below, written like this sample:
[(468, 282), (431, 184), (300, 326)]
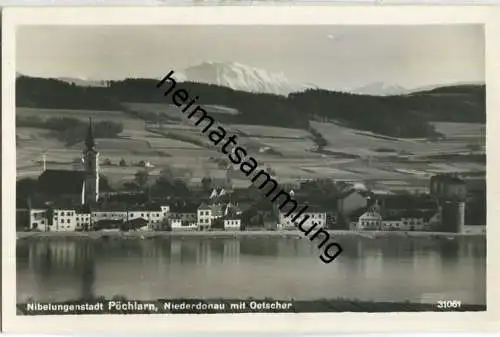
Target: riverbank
[(122, 305), (234, 234)]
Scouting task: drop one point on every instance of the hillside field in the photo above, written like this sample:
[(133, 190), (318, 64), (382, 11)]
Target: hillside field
[(348, 155)]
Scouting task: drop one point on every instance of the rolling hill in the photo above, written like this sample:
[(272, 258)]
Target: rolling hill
[(404, 116)]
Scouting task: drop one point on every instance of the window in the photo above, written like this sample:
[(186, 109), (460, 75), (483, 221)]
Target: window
[(62, 220)]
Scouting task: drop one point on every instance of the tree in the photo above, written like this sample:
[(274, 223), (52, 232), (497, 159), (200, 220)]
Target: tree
[(167, 174), (218, 224), (206, 184), (180, 188), (107, 162), (141, 178), (130, 186), (25, 187), (123, 162)]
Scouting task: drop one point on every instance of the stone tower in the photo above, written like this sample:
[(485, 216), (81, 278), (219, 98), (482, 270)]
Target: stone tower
[(451, 193), (90, 161)]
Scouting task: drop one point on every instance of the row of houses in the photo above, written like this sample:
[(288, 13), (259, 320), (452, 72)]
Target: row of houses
[(150, 217), (369, 220), (415, 220), (352, 209)]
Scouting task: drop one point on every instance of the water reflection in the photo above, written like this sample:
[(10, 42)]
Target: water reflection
[(375, 269)]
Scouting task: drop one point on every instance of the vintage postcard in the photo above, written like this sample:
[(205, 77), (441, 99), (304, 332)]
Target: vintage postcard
[(318, 169)]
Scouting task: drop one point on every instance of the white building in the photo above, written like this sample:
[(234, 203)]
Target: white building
[(39, 220), (110, 214), (232, 223), (370, 220), (391, 225), (207, 214), (154, 218), (182, 225), (64, 220), (83, 220), (318, 218)]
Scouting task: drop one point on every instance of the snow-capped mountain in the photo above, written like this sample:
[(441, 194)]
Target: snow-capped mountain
[(381, 89), (82, 82), (240, 77)]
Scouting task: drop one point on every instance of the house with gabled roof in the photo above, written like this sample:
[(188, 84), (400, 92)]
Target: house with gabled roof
[(207, 214), (232, 220)]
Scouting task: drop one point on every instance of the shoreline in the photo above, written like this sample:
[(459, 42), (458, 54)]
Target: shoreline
[(237, 234)]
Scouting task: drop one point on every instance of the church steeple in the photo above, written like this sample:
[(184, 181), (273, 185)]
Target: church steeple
[(90, 193), (89, 141)]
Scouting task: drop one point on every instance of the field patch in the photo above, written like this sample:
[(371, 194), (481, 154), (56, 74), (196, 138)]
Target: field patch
[(129, 122), (286, 146), (121, 144), (269, 131), (174, 112), (168, 143), (27, 137), (452, 130), (342, 139)]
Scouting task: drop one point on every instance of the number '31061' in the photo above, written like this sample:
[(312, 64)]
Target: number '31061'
[(450, 304)]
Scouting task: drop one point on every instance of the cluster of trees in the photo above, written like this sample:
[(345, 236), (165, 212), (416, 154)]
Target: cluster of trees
[(399, 116), (56, 94), (29, 188), (396, 116), (168, 183), (72, 130)]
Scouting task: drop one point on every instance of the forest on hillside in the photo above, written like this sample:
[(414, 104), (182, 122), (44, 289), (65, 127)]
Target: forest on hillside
[(399, 116)]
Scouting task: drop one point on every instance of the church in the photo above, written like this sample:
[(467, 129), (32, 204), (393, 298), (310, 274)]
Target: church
[(80, 186)]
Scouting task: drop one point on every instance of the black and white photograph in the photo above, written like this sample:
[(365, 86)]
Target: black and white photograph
[(194, 169)]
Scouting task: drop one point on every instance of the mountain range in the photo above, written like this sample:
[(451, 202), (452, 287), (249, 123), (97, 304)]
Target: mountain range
[(238, 76), (242, 77)]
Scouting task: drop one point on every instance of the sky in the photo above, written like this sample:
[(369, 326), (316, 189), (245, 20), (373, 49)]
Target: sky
[(332, 57)]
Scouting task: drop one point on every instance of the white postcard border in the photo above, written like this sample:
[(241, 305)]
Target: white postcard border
[(303, 323)]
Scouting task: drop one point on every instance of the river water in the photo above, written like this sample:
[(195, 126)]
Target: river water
[(383, 269)]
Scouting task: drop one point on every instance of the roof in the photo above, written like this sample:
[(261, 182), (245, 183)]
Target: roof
[(426, 215), (137, 221), (411, 214), (231, 217), (216, 210), (370, 215), (407, 201), (231, 211), (204, 207), (183, 208), (449, 178), (348, 192), (354, 216), (61, 181)]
